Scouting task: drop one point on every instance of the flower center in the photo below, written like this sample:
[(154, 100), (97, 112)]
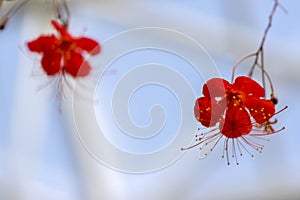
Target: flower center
[(234, 98), (66, 46)]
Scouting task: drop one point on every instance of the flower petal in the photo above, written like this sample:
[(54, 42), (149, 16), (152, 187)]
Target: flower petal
[(215, 87), (51, 63), (62, 30), (261, 110), (237, 122), (209, 111), (76, 65), (42, 44), (89, 45), (248, 86)]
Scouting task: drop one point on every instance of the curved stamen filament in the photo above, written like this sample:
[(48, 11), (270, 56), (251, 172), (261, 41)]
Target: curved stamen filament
[(285, 107), (201, 141), (239, 62), (268, 133)]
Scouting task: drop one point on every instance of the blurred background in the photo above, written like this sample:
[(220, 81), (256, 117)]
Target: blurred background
[(41, 155)]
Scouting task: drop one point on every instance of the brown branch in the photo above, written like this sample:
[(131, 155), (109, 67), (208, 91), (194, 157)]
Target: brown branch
[(260, 50), (4, 19), (259, 54)]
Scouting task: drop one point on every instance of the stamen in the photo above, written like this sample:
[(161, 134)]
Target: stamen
[(234, 152), (226, 149), (245, 148), (285, 107), (237, 143), (202, 140)]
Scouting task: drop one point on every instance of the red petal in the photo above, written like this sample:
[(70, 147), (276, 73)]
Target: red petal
[(208, 111), (248, 86), (62, 30), (89, 45), (51, 63), (215, 87), (261, 110), (76, 66), (237, 123), (42, 44)]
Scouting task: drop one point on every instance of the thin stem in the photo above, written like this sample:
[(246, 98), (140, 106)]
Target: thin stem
[(268, 77), (263, 70), (261, 46), (62, 12), (259, 54), (239, 62)]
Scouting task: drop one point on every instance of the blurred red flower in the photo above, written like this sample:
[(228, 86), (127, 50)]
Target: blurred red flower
[(64, 53)]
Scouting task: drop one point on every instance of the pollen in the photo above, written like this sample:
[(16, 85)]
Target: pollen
[(68, 55), (72, 46)]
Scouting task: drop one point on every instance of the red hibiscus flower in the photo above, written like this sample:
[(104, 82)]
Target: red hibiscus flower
[(233, 111), (64, 53)]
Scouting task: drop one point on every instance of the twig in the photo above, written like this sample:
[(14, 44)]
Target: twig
[(260, 51), (62, 12), (11, 11), (259, 54), (239, 62)]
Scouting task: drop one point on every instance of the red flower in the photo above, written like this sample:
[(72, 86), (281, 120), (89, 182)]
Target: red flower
[(63, 53), (233, 110)]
